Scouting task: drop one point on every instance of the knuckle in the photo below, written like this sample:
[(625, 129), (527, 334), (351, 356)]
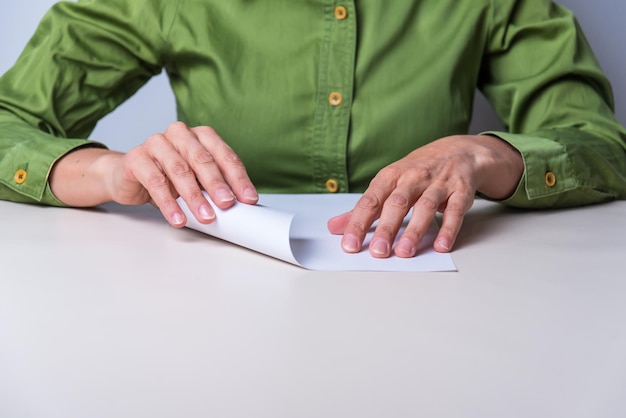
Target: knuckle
[(204, 130), (368, 201), (461, 202), (454, 213), (467, 196), (455, 209), (155, 140), (449, 231), (157, 181), (216, 183), (419, 174), (134, 154), (391, 171), (387, 175), (358, 227), (386, 230), (164, 202), (413, 234), (427, 203), (196, 195), (232, 158), (203, 157), (241, 180), (177, 126), (398, 200), (181, 169)]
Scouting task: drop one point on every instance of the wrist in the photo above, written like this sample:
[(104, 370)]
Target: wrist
[(502, 167), (102, 172), (80, 178)]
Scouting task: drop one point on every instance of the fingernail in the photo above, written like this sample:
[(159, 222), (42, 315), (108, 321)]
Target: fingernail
[(178, 218), (224, 195), (250, 194), (206, 213), (350, 244), (443, 243), (405, 248), (380, 247)]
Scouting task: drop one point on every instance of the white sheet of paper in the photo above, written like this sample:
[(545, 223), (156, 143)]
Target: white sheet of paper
[(292, 228)]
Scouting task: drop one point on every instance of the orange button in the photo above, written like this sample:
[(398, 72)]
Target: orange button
[(341, 13), (335, 98), (332, 185), (550, 179), (20, 176)]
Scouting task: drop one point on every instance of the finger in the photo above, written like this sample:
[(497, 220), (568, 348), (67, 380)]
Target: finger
[(202, 164), (233, 175), (365, 212), (149, 175), (180, 175), (424, 211), (337, 224), (453, 215), (394, 210)]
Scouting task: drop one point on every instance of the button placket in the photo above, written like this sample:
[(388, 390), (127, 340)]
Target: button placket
[(336, 79)]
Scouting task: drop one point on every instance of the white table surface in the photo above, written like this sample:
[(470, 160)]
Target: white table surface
[(112, 313)]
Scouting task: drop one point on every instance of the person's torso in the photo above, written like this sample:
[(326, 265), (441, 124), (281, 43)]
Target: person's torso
[(311, 90)]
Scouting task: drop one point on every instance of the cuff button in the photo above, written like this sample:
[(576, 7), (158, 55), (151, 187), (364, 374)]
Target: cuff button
[(332, 185), (550, 179), (20, 176)]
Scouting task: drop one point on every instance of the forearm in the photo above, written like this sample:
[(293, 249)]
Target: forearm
[(80, 177)]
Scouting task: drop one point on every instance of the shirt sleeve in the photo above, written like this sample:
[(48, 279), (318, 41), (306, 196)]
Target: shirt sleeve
[(84, 60), (544, 82)]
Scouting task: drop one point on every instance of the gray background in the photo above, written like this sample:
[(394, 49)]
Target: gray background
[(153, 107)]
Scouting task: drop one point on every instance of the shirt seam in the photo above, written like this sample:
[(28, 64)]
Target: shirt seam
[(491, 24), (167, 29)]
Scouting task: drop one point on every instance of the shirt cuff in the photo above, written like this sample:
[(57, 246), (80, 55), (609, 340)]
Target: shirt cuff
[(548, 171), (25, 168)]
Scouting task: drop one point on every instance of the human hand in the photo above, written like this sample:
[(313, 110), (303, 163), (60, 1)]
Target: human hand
[(441, 176), (179, 162)]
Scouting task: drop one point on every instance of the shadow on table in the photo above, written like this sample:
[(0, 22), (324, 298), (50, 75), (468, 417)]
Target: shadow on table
[(483, 222), (144, 213)]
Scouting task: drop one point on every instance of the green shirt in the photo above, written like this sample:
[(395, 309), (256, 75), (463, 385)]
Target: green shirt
[(307, 91)]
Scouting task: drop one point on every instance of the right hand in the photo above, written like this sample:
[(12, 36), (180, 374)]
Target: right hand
[(182, 161)]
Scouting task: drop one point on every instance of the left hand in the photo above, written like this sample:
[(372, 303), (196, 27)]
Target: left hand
[(443, 176)]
